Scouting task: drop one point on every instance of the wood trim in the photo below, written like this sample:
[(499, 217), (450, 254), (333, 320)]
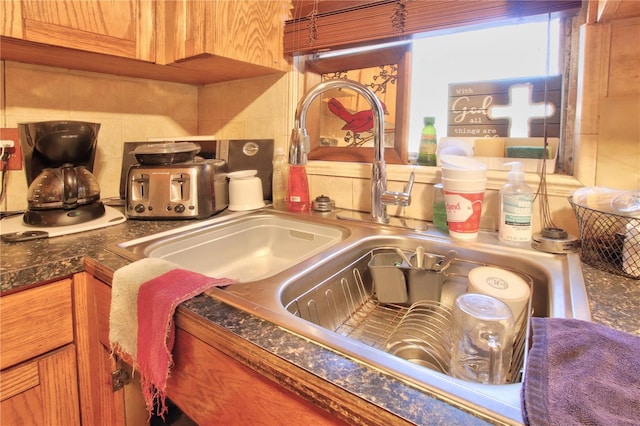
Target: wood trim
[(400, 55), (209, 69), (353, 155), (86, 341), (146, 37), (98, 404), (59, 380), (42, 32), (11, 23), (344, 28), (608, 9), (18, 379), (98, 271)]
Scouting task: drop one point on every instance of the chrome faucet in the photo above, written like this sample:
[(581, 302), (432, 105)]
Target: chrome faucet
[(380, 197)]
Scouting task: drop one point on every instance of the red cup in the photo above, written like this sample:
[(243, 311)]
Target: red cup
[(464, 211)]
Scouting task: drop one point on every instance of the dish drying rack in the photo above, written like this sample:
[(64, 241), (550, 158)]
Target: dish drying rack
[(345, 303)]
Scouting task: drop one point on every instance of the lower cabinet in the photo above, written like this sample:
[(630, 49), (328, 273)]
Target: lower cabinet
[(38, 377), (42, 391), (212, 388), (56, 368), (105, 399)]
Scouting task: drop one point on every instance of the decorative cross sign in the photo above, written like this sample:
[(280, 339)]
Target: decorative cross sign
[(521, 110)]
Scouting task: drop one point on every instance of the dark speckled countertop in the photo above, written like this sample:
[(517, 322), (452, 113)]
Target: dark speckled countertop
[(46, 259), (614, 301)]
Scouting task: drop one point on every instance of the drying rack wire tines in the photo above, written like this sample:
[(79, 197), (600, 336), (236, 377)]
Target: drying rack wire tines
[(346, 304)]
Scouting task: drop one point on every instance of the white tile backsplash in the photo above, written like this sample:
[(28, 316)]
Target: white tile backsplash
[(128, 110)]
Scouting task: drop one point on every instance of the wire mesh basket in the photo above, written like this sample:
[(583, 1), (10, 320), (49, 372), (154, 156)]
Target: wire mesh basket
[(609, 241)]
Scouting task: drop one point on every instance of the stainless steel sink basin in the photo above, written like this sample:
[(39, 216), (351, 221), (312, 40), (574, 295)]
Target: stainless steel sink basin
[(328, 297)]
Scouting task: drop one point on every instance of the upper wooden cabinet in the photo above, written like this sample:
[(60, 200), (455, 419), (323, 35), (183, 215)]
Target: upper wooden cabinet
[(610, 10), (112, 27), (243, 30), (186, 41)]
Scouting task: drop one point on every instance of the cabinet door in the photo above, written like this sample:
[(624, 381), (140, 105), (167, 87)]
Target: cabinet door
[(100, 403), (247, 31), (34, 322), (113, 27), (212, 388), (41, 392)]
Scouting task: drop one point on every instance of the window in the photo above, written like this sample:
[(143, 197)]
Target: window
[(502, 52), (526, 47)]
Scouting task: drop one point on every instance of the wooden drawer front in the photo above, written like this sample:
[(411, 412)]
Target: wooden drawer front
[(41, 392), (34, 322)]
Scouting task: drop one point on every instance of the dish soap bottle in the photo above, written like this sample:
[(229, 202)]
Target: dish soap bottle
[(516, 208), (428, 143), (298, 183), (280, 179)]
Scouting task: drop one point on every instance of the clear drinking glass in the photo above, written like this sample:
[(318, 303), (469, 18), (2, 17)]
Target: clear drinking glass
[(482, 339)]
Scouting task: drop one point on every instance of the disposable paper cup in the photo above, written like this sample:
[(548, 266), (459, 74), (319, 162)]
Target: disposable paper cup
[(464, 174), (464, 185), (460, 167), (463, 202), (461, 162)]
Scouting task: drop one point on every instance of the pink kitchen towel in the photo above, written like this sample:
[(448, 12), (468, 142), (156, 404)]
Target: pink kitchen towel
[(145, 295)]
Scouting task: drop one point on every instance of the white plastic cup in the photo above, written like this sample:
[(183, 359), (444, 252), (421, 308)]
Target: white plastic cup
[(463, 202), (245, 191)]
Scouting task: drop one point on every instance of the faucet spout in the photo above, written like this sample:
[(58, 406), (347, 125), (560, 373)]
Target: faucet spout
[(380, 197)]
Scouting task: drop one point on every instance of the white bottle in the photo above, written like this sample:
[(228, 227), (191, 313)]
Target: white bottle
[(516, 208), (279, 180)]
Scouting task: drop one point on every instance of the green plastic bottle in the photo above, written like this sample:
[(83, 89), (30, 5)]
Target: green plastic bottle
[(428, 143)]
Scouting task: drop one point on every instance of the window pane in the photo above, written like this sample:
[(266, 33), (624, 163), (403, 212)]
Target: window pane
[(493, 53)]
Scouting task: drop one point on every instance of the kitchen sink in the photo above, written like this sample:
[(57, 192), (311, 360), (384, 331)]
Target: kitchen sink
[(329, 297)]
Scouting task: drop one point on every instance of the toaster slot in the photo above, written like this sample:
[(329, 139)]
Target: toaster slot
[(139, 187), (180, 187)]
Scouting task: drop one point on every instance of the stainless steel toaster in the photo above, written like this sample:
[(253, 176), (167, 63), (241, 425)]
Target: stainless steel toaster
[(190, 190)]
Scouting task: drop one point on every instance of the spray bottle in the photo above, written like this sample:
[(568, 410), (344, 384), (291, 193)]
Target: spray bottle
[(516, 208), (298, 185)]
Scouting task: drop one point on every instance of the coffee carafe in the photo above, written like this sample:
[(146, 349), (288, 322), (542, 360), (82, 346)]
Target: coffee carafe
[(65, 187), (58, 159)]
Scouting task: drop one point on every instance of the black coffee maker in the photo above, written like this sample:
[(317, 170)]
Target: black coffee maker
[(58, 160)]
